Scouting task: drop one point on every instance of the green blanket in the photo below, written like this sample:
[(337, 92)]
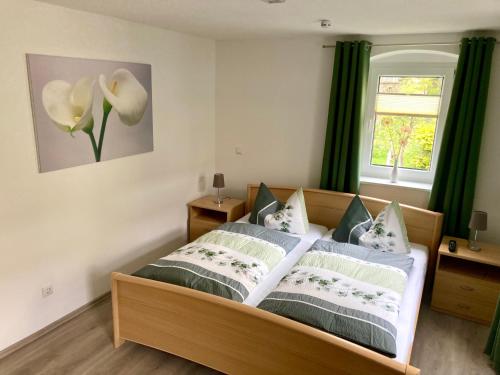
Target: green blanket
[(228, 262), (493, 344), (348, 290)]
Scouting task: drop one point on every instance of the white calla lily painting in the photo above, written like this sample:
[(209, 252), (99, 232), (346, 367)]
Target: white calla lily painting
[(89, 111)]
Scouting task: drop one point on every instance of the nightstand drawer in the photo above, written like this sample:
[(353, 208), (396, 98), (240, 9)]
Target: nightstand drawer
[(464, 288), (478, 311)]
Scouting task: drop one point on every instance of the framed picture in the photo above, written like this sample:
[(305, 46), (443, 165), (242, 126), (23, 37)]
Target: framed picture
[(87, 111)]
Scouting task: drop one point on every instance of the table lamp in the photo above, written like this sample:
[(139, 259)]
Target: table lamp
[(478, 221), (219, 184)]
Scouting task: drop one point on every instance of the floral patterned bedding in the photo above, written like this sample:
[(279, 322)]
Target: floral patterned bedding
[(228, 262), (348, 290)]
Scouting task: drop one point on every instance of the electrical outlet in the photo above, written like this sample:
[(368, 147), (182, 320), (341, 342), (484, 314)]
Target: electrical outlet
[(47, 291)]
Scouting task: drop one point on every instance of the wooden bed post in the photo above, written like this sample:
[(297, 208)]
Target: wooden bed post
[(410, 370), (117, 340)]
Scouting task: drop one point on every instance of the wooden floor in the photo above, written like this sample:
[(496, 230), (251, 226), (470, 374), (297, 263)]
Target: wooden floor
[(443, 345), (447, 345)]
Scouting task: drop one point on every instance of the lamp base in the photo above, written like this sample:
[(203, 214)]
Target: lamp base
[(473, 244), (218, 200)]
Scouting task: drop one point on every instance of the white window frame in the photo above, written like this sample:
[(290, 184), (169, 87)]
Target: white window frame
[(447, 70)]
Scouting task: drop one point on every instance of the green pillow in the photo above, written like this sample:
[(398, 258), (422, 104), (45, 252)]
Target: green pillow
[(265, 204), (355, 222)]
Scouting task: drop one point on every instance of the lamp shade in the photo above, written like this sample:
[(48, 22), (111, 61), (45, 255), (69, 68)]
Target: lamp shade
[(478, 220), (218, 180)]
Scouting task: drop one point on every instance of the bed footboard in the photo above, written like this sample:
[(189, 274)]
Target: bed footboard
[(231, 337)]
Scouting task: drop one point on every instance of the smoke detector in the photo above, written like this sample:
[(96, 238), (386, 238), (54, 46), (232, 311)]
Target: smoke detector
[(325, 24)]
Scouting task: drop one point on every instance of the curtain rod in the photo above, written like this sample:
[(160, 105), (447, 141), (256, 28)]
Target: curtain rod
[(407, 44)]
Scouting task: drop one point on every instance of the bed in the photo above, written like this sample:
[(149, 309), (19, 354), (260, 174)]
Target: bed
[(238, 338)]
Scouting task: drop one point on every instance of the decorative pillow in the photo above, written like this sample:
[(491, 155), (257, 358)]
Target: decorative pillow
[(265, 204), (355, 222), (388, 232), (292, 218)]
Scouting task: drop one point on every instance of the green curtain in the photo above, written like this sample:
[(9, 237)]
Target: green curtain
[(493, 343), (455, 180), (341, 156)]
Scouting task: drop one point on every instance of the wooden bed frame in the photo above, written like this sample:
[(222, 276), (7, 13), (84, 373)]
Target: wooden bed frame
[(239, 339)]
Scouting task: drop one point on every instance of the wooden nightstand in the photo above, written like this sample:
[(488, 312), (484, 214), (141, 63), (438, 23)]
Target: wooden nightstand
[(204, 214), (467, 283)]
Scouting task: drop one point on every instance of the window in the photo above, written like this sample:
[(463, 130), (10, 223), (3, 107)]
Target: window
[(407, 106), (406, 116)]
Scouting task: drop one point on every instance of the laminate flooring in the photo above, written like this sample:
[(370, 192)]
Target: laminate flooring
[(443, 345)]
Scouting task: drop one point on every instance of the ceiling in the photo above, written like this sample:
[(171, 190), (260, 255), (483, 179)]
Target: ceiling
[(245, 19)]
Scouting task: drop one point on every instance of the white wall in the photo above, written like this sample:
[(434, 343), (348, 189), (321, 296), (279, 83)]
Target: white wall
[(72, 227), (272, 101), (413, 196)]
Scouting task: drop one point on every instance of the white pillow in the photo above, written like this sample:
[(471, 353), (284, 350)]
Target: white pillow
[(292, 218), (388, 232), (315, 231)]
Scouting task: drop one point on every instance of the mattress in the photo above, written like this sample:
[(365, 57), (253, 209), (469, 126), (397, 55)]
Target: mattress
[(411, 298)]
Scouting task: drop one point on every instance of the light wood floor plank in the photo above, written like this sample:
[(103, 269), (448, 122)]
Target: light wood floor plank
[(448, 345), (443, 345)]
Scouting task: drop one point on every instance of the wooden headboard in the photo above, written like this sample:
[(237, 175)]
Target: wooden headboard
[(326, 208)]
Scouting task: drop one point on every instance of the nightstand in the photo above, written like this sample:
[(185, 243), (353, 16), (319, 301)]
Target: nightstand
[(204, 214), (467, 283)]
